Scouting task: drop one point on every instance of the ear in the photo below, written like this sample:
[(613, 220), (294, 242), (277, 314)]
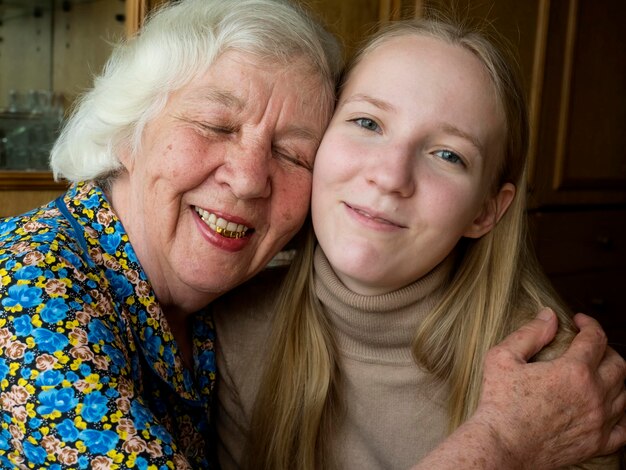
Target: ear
[(125, 156), (492, 211)]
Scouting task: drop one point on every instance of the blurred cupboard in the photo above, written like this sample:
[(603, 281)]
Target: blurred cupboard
[(572, 53), (49, 52)]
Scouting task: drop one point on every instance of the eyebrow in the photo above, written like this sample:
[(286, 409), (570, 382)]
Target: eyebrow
[(223, 97), (303, 133), (450, 129), (384, 105)]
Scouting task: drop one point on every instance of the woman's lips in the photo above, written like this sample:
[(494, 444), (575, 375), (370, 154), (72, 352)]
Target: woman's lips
[(373, 216), (222, 226)]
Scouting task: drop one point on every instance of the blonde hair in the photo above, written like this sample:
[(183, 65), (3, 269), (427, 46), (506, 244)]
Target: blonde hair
[(496, 285), (296, 404)]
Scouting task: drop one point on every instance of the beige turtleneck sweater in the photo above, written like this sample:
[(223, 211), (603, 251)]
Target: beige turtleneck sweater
[(394, 412)]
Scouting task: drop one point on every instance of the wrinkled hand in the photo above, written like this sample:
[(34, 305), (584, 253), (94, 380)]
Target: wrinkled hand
[(548, 414)]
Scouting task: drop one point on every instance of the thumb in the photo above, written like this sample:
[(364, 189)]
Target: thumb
[(529, 339)]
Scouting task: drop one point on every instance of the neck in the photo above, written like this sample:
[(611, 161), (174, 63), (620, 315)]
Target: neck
[(180, 326)]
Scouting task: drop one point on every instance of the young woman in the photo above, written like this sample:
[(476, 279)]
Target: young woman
[(421, 265)]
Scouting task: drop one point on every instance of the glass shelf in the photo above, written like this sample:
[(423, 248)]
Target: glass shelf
[(50, 49), (53, 45), (27, 138)]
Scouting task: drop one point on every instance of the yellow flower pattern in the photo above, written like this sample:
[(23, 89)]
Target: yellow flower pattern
[(90, 374)]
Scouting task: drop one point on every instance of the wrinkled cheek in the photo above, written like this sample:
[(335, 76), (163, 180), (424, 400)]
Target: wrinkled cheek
[(296, 208), (296, 215)]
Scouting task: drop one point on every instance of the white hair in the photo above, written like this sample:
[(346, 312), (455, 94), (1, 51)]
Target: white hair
[(179, 42)]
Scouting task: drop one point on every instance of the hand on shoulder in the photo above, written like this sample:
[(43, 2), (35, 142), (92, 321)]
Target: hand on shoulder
[(544, 414), (556, 412)]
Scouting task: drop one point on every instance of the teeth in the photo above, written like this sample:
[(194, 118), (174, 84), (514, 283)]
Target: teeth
[(223, 227)]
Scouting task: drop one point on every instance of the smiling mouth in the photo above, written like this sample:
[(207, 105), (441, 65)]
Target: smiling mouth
[(372, 217), (222, 226)]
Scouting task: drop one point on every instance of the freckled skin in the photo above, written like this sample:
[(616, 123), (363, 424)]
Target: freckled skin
[(512, 431), (243, 161)]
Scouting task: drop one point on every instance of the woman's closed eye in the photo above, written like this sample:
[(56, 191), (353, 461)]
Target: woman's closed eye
[(449, 156), (292, 159), (217, 129), (214, 128), (367, 124)]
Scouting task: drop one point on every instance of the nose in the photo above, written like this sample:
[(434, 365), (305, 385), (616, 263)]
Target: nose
[(392, 172), (247, 170)]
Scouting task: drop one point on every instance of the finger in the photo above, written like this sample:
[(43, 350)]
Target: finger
[(528, 340), (612, 369), (589, 345), (617, 437), (582, 320), (618, 405)]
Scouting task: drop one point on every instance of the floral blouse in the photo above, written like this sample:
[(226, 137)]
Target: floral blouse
[(90, 374)]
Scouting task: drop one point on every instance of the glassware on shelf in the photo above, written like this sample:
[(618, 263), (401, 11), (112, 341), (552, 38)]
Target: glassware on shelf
[(28, 129)]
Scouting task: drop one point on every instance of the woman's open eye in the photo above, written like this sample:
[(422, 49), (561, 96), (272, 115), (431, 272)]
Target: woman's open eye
[(367, 123), (449, 156)]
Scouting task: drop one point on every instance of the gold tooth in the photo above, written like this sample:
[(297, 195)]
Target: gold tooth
[(228, 233)]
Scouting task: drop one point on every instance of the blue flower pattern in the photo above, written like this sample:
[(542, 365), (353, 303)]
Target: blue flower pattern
[(90, 375)]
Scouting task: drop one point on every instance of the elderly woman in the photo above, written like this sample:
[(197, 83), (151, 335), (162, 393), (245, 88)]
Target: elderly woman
[(191, 167), (191, 161)]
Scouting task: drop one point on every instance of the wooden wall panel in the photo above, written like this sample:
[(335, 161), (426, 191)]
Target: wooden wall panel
[(582, 142), (17, 202), (351, 20), (83, 39), (596, 105)]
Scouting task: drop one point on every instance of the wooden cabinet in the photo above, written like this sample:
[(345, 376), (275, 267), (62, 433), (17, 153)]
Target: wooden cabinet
[(583, 114), (350, 20), (22, 191), (353, 20), (583, 252), (53, 47), (579, 178)]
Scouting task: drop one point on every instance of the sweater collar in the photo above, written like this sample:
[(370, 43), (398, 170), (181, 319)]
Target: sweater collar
[(380, 327)]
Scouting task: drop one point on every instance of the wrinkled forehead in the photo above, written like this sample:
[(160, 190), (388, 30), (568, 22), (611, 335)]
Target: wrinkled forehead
[(241, 90), (295, 77)]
